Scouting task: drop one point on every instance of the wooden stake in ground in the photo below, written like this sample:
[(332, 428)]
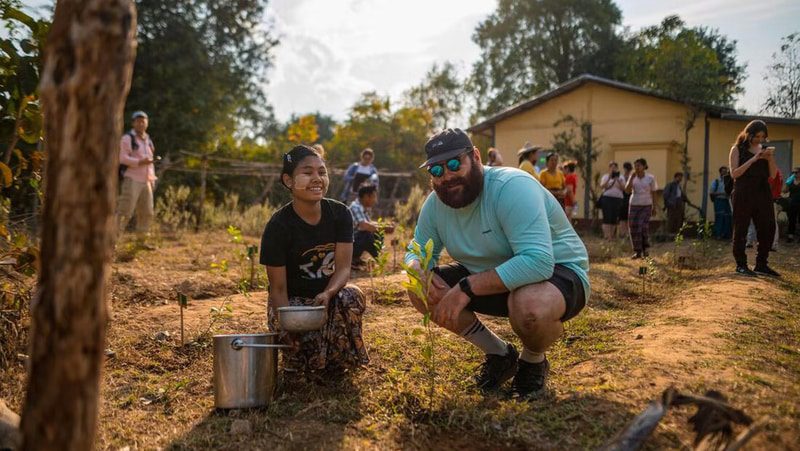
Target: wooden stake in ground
[(87, 72), (182, 303)]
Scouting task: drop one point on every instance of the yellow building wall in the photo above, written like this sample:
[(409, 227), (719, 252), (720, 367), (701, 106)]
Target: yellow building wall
[(628, 126)]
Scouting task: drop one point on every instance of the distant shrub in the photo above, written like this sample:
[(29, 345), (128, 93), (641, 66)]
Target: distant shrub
[(407, 212), (250, 220), (173, 209)]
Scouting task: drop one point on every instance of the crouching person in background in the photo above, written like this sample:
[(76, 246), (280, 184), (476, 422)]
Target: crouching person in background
[(367, 234), (307, 248)]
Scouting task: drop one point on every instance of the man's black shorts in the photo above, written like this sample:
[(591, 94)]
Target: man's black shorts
[(567, 282)]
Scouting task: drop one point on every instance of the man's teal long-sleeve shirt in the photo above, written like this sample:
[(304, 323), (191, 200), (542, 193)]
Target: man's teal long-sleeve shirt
[(515, 227)]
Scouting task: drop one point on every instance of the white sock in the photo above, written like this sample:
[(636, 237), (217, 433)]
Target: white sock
[(531, 357), (485, 339)]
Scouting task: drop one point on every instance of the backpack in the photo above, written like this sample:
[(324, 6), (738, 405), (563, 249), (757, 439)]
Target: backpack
[(122, 167), (728, 184)]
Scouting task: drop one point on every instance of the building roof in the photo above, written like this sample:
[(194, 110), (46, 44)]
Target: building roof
[(579, 81), (768, 119)]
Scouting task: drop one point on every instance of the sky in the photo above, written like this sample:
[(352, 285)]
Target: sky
[(331, 51)]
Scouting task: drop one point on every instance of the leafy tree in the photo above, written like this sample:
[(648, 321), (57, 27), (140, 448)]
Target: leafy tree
[(689, 64), (441, 94), (303, 131), (199, 71), (783, 78), (575, 142), (528, 46), (21, 160), (398, 137)]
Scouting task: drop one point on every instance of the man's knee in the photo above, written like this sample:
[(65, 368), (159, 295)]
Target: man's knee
[(534, 304)]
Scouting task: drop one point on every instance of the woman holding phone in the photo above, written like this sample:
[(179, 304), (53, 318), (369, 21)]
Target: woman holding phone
[(752, 163)]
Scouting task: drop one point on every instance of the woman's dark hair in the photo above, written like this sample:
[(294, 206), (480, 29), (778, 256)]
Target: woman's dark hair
[(627, 166), (641, 161), (750, 131), (551, 155), (294, 157)]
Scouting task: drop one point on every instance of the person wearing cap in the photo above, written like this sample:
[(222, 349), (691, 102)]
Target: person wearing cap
[(528, 156), (307, 247), (516, 256), (136, 156)]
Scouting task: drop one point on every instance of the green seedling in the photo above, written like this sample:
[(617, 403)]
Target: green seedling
[(418, 283)]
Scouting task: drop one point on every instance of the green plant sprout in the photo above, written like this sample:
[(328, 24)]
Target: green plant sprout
[(418, 283)]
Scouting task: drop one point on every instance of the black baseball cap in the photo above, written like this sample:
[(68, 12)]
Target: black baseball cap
[(445, 145)]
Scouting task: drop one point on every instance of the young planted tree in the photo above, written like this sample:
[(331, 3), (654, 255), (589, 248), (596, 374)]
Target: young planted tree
[(86, 76), (418, 284)]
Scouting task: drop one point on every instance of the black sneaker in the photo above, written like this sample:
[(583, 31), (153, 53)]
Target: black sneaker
[(765, 270), (497, 369), (530, 380), (744, 271)]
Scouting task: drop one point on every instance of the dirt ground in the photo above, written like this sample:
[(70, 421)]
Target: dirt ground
[(695, 326)]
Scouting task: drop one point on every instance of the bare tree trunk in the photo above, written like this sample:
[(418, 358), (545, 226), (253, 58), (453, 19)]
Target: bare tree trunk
[(86, 77)]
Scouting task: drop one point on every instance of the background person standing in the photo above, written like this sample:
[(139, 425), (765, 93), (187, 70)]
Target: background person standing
[(642, 186), (752, 164), (613, 186), (722, 206), (136, 155), (675, 204), (359, 173)]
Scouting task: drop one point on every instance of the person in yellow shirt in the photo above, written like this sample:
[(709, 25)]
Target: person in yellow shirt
[(553, 179), (527, 159)]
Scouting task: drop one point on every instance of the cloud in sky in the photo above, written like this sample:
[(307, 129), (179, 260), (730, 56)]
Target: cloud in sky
[(332, 51)]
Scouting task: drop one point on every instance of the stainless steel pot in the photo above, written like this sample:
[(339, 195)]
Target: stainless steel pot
[(245, 370)]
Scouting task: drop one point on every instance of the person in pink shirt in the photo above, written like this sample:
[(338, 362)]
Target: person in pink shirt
[(136, 155)]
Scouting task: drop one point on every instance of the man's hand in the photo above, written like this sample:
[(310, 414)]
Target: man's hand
[(446, 312), (437, 290), (145, 162)]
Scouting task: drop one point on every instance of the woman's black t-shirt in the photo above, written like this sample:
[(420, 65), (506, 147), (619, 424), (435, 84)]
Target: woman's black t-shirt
[(307, 251)]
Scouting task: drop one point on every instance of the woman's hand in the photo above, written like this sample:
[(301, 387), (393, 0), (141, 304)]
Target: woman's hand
[(322, 299)]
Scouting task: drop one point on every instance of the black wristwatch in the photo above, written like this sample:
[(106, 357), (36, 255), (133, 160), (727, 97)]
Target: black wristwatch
[(466, 287)]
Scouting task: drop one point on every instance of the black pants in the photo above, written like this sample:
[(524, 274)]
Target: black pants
[(366, 241), (794, 214), (755, 205)]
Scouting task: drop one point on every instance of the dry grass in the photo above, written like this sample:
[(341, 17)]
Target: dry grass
[(159, 394)]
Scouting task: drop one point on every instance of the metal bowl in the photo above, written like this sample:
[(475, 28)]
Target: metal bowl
[(302, 318)]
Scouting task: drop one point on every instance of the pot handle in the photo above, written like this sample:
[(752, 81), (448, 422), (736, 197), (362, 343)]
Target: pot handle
[(238, 344)]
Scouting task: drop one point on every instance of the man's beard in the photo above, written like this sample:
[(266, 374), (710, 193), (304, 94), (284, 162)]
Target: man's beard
[(471, 187)]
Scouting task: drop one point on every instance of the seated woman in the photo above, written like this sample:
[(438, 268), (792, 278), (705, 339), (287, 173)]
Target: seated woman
[(307, 248)]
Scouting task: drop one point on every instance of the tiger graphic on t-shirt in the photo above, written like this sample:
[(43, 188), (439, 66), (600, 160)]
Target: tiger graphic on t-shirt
[(321, 261)]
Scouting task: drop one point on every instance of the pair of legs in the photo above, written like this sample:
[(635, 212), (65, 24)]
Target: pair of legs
[(611, 207), (675, 217), (536, 312), (639, 225), (368, 242), (722, 218), (138, 197), (794, 215), (756, 207), (338, 346)]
